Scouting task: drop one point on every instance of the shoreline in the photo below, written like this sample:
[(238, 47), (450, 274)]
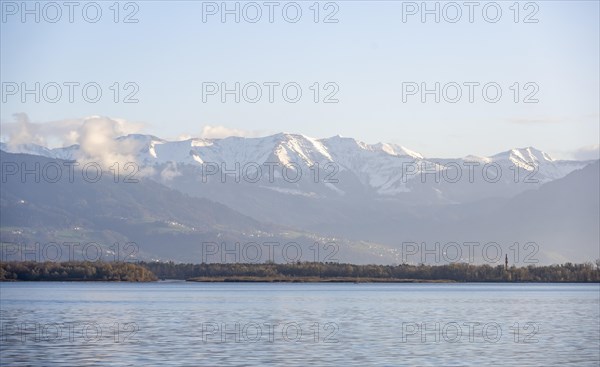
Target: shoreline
[(294, 280), (81, 271), (311, 280)]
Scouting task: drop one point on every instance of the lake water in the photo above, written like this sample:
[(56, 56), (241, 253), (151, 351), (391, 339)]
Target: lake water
[(254, 324)]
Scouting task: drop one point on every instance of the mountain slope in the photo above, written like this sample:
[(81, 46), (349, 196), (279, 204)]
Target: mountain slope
[(163, 223), (379, 194)]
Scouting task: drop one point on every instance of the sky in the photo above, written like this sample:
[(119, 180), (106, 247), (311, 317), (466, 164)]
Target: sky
[(171, 61)]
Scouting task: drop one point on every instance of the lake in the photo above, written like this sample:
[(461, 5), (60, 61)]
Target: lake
[(255, 324)]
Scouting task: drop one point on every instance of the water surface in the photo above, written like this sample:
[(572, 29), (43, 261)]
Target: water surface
[(226, 324)]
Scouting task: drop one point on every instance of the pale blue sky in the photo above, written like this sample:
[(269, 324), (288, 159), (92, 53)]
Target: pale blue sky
[(170, 52)]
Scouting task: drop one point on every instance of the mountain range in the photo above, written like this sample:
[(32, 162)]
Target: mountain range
[(373, 201)]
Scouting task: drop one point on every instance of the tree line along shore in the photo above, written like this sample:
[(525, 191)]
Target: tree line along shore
[(293, 272)]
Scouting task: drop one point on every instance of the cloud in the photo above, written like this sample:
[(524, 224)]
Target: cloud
[(586, 153), (543, 120), (97, 141), (23, 131), (218, 132), (169, 172), (535, 120), (96, 136), (183, 137), (59, 133)]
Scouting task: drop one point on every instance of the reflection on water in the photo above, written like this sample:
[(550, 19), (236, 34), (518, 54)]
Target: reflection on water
[(195, 324)]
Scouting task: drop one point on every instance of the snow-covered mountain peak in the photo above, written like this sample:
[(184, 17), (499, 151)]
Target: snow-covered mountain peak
[(140, 138), (397, 150), (340, 143), (524, 157), (477, 158), (32, 149)]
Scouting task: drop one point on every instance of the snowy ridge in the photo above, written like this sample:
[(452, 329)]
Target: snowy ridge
[(381, 166)]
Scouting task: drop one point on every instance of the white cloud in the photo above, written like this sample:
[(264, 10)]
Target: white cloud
[(587, 152), (59, 133), (183, 137), (169, 172), (535, 120), (96, 136), (23, 131), (97, 141)]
